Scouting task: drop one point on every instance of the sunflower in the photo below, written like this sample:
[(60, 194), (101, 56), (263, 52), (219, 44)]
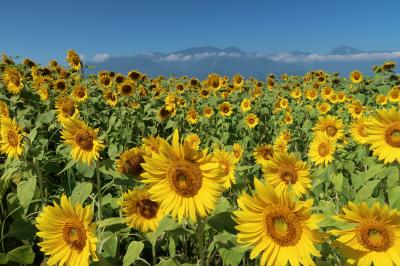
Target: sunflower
[(151, 144), (384, 135), (67, 233), (263, 153), (296, 93), (311, 94), (225, 109), (85, 146), (169, 101), (74, 60), (4, 112), (274, 224), (237, 152), (205, 92), (119, 78), (11, 138), (43, 93), (356, 109), (251, 120), (322, 149), (324, 108), (126, 88), (381, 99), (129, 162), (186, 183), (207, 111), (140, 211), (29, 63), (356, 76), (214, 81), (193, 140), (358, 128), (135, 75), (237, 81), (66, 109), (283, 103), (280, 145), (192, 116), (179, 88), (105, 81), (288, 118), (79, 92), (110, 97), (331, 125), (12, 80), (287, 172), (227, 163), (341, 96), (394, 94), (60, 85), (372, 234), (245, 105), (326, 92)]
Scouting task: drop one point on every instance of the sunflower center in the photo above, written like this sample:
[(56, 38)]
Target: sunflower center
[(185, 178), (215, 84), (288, 174), (393, 135), (357, 110), (12, 138), (68, 108), (331, 131), (126, 89), (283, 226), (323, 149), (84, 140), (147, 208), (356, 76), (267, 154), (361, 130), (375, 235), (80, 93), (74, 234), (132, 165), (61, 86)]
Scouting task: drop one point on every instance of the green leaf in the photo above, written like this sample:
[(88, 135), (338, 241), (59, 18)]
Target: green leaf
[(222, 221), (232, 256), (392, 174), (20, 255), (22, 230), (110, 221), (133, 252), (81, 192), (394, 197), (337, 180), (69, 165), (108, 244), (86, 170), (25, 191), (366, 191), (168, 262)]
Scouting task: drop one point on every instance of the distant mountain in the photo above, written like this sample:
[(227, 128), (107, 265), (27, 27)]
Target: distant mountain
[(199, 61)]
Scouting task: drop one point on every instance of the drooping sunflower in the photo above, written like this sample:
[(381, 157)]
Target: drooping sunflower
[(185, 182), (192, 116), (129, 162), (11, 140), (225, 109), (372, 234), (286, 171), (126, 88), (356, 76), (263, 153), (83, 140), (358, 131), (140, 211), (4, 112), (228, 166), (164, 113), (79, 93), (193, 140), (384, 135), (251, 120), (245, 105), (322, 148), (67, 233), (12, 80), (282, 229), (66, 108), (74, 60), (331, 125)]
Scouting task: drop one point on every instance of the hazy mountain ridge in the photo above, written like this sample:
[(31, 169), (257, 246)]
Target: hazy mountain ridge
[(199, 61)]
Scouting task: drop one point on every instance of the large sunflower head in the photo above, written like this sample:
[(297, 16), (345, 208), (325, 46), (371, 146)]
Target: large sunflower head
[(11, 138), (187, 183), (140, 211), (12, 80), (263, 153), (274, 224), (331, 125), (83, 140), (384, 135), (322, 149), (74, 60), (287, 172), (372, 234), (66, 108), (129, 162), (80, 93), (67, 233)]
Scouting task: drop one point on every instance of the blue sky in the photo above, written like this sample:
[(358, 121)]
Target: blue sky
[(43, 30)]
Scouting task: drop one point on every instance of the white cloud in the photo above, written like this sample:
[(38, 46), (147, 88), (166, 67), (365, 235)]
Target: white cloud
[(98, 58), (199, 56)]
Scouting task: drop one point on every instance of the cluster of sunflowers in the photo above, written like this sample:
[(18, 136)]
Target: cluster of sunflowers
[(298, 170)]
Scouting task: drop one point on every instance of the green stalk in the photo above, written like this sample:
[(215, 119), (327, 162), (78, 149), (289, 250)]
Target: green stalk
[(99, 197), (200, 238)]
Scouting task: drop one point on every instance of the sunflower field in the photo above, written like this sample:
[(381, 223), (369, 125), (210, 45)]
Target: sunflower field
[(125, 169)]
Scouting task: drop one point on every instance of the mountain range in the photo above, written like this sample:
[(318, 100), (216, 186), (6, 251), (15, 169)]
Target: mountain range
[(199, 61)]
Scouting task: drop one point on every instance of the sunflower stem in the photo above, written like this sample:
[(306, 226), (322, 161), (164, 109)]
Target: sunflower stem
[(98, 187), (42, 186), (200, 238), (153, 252)]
